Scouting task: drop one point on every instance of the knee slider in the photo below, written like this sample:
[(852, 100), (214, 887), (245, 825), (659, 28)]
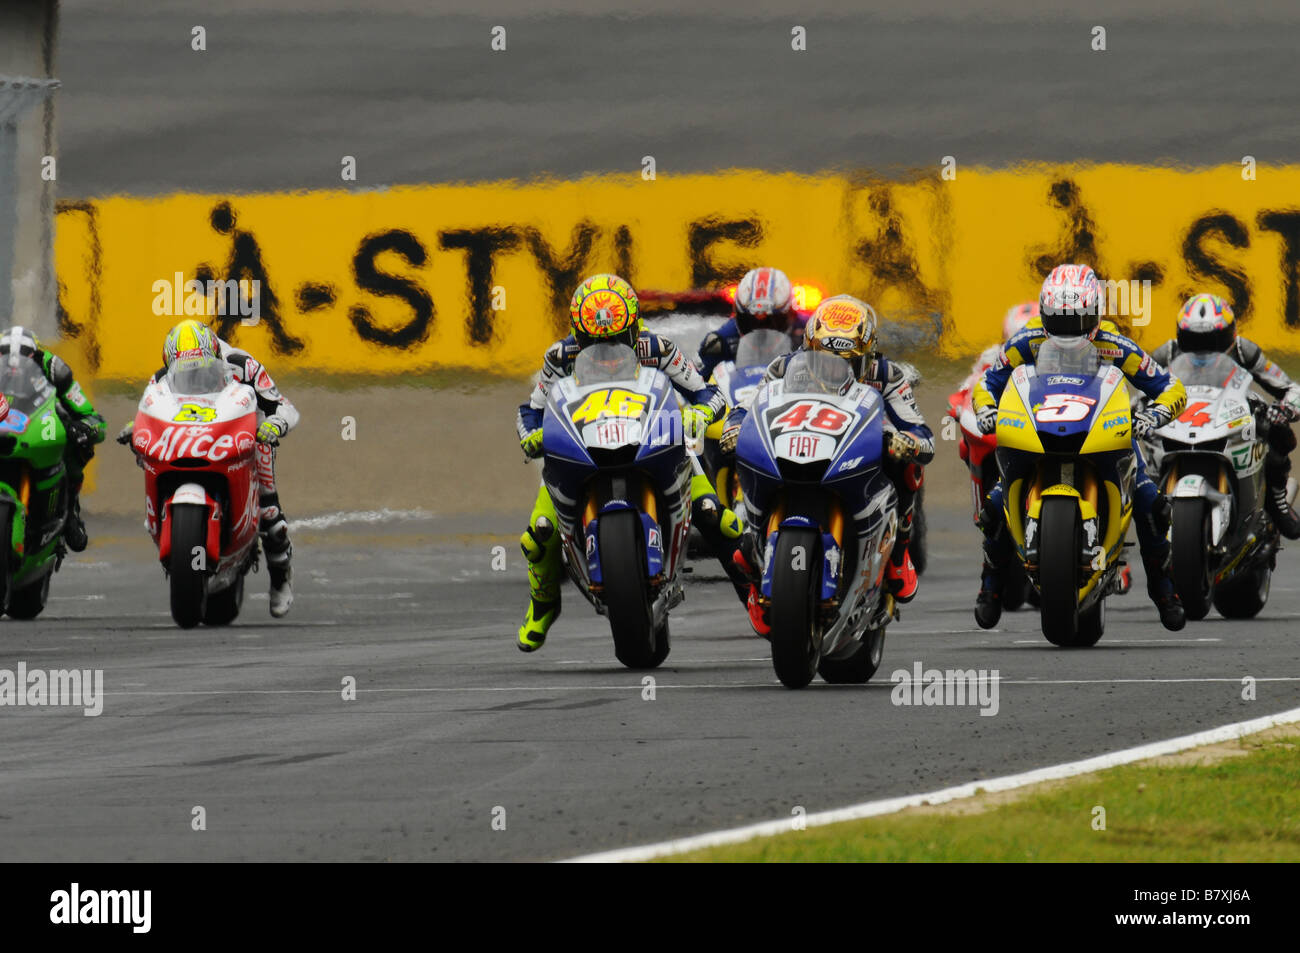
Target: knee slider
[(533, 541)]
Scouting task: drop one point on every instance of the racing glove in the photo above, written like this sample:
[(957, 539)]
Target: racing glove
[(82, 433), (1281, 413), (696, 420), (986, 418), (1146, 422), (902, 446), (124, 435), (271, 430), (532, 444), (727, 443)]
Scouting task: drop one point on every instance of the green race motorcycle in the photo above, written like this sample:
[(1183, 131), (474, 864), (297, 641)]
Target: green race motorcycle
[(33, 487)]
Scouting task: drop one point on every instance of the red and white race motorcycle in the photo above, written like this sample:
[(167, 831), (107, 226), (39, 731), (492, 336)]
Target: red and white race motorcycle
[(195, 438)]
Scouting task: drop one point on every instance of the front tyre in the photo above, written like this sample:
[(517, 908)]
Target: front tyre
[(1190, 538), (795, 570), (637, 644), (1059, 547), (189, 586)]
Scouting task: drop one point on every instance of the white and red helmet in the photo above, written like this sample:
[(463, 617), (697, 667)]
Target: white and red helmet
[(1018, 317), (764, 299), (1070, 302)]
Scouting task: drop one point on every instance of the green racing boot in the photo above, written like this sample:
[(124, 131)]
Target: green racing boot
[(541, 547)]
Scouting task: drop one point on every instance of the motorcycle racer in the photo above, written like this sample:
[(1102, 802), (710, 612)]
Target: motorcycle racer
[(845, 326), (764, 299), (84, 426), (277, 416), (1206, 323), (604, 309), (1070, 314)]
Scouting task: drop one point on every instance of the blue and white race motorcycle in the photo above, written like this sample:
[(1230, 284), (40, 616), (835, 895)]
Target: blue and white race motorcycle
[(618, 472), (809, 455)]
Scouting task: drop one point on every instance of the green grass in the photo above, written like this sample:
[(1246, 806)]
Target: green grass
[(1240, 809)]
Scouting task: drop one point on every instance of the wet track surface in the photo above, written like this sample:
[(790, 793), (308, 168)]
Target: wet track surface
[(451, 722)]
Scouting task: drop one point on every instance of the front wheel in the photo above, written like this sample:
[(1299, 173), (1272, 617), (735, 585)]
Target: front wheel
[(860, 665), (795, 570), (637, 644), (1059, 546), (917, 547), (1190, 539), (188, 581)]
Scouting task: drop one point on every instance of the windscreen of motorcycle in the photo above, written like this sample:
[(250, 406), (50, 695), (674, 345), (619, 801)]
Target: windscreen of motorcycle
[(814, 415), (25, 389), (760, 348), (199, 376), (605, 363), (1218, 401)]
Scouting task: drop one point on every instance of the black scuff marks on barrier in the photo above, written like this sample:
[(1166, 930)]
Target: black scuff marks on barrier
[(245, 264), (387, 285), (481, 245), (891, 258), (1202, 265), (1286, 222), (313, 296), (563, 272), (1078, 244), (623, 254), (704, 233)]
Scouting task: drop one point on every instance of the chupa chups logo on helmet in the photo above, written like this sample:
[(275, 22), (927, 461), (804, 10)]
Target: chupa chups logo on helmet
[(841, 316)]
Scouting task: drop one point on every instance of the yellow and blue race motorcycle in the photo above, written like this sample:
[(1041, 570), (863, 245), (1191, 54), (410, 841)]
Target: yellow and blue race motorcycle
[(1065, 449)]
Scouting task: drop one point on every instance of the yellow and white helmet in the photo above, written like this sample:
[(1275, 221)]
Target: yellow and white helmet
[(190, 339)]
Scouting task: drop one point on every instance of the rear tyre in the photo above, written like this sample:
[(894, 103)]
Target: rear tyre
[(627, 601), (189, 586), (860, 665), (223, 607), (796, 567), (1058, 569), (1245, 596), (1190, 536), (27, 602)]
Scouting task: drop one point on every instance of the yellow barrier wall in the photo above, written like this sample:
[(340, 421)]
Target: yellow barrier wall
[(401, 280)]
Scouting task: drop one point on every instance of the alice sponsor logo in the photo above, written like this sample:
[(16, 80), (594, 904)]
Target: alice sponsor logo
[(195, 441), (100, 907), (62, 688), (950, 687), (176, 296)]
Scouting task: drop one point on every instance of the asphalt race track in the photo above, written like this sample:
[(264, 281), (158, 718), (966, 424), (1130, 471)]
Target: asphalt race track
[(451, 722)]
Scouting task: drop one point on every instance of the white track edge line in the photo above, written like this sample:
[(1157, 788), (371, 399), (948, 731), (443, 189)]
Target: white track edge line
[(893, 805)]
